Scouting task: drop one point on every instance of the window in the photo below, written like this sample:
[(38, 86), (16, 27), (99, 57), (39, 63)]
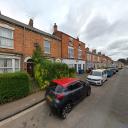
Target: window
[(9, 65), (59, 89), (47, 47), (70, 52), (96, 73), (75, 86), (71, 65), (17, 65), (79, 54), (6, 38), (5, 65)]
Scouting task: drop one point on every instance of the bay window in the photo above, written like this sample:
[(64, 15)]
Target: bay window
[(8, 64)]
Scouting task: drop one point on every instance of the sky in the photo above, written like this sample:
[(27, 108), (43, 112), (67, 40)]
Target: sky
[(100, 24)]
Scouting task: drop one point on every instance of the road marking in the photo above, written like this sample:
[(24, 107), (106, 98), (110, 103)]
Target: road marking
[(21, 114)]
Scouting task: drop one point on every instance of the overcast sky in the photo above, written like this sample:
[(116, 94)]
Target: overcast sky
[(101, 24)]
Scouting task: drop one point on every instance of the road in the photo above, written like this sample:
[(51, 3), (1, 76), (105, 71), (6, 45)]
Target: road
[(107, 107)]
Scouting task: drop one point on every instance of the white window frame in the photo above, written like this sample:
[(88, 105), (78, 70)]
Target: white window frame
[(13, 58), (47, 47), (4, 26), (79, 54), (71, 65), (70, 55)]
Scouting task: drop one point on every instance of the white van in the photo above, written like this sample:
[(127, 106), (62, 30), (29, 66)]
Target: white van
[(97, 77)]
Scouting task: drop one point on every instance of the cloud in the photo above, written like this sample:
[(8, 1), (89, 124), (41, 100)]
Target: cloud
[(120, 44)]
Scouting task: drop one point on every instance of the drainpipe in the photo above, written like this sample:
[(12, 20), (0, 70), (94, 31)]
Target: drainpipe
[(23, 46)]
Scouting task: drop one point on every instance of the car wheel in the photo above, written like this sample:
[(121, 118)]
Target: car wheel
[(69, 107), (89, 92), (66, 110)]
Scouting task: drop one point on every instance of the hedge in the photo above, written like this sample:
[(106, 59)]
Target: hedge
[(13, 86)]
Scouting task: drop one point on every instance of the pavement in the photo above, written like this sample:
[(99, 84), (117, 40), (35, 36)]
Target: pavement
[(106, 107), (9, 109)]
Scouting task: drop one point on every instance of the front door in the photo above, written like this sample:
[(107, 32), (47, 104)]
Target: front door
[(30, 67)]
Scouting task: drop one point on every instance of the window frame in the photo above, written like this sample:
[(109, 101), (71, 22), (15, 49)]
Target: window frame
[(74, 84), (47, 47), (79, 53), (70, 55), (11, 39), (13, 64)]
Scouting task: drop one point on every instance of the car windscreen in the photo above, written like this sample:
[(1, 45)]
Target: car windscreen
[(95, 73)]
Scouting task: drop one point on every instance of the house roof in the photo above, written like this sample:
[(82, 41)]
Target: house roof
[(65, 81), (70, 36), (18, 23)]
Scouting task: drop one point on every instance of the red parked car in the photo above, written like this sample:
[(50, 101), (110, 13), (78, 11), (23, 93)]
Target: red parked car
[(63, 94)]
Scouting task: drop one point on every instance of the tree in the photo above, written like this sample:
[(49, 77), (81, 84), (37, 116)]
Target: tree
[(37, 55)]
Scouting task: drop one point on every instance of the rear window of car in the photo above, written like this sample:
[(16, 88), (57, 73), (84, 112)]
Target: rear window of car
[(57, 88)]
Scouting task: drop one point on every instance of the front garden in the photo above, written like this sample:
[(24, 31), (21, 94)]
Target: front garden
[(17, 85)]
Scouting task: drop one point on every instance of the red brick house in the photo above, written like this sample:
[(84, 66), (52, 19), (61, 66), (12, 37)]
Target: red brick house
[(17, 42), (72, 50)]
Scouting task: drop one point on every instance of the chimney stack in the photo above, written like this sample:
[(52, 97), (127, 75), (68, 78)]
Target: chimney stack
[(55, 28), (31, 22), (87, 49), (99, 53), (77, 38), (94, 51)]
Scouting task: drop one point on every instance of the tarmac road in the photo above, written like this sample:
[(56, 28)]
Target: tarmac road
[(107, 107)]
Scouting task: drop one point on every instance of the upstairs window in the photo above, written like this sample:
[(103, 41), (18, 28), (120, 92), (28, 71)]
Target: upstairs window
[(47, 47), (70, 52), (79, 53), (6, 38)]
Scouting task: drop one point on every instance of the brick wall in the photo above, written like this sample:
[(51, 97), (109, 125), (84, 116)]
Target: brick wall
[(24, 40)]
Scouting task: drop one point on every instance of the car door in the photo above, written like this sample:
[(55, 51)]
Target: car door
[(84, 89), (103, 75), (75, 91)]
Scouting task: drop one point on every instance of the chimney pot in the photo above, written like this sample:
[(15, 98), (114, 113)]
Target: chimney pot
[(31, 22), (55, 28)]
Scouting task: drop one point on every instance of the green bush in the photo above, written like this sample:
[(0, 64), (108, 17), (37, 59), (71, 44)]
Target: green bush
[(46, 70), (72, 72), (13, 86)]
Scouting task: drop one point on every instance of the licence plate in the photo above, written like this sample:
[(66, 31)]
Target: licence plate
[(49, 98)]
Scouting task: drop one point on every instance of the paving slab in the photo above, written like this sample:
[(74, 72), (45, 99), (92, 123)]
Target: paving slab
[(9, 109)]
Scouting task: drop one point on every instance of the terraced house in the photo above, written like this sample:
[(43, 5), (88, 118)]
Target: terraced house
[(17, 42), (72, 50)]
